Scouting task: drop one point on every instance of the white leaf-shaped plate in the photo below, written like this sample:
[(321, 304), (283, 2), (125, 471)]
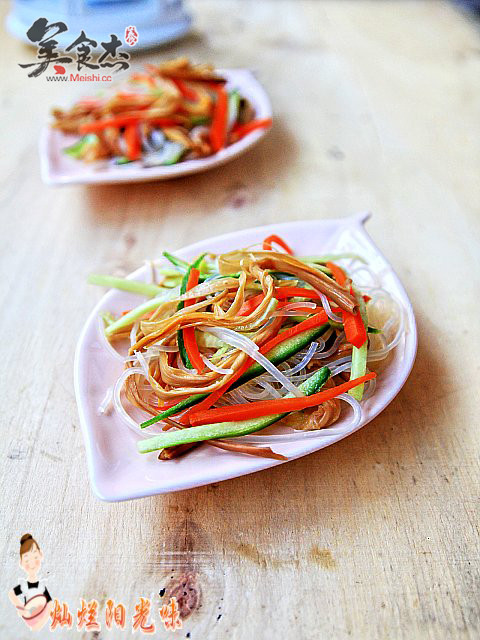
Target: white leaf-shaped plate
[(59, 168), (118, 472)]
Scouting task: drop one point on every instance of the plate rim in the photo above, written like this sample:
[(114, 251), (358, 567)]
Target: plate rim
[(411, 341)]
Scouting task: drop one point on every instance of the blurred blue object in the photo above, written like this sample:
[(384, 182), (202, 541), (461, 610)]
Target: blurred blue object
[(471, 5), (156, 21)]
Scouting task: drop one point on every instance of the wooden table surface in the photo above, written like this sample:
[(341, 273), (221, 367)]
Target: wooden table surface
[(377, 107)]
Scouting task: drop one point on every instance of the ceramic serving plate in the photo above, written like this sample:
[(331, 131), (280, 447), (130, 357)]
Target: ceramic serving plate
[(59, 168), (118, 472)]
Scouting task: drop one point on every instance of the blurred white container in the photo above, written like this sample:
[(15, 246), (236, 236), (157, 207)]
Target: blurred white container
[(156, 21)]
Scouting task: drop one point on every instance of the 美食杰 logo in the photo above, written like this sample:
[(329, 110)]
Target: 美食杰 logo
[(131, 36), (84, 59)]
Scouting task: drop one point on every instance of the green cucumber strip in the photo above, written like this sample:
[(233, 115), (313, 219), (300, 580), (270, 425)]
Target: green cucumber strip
[(183, 289), (166, 271), (170, 282), (229, 275), (320, 267), (283, 275), (282, 352), (220, 351), (233, 108), (277, 355), (182, 350), (172, 277), (75, 150), (178, 262), (209, 341), (107, 318), (142, 288), (206, 269), (359, 356), (229, 429), (359, 366), (198, 120), (173, 153), (331, 257), (133, 315)]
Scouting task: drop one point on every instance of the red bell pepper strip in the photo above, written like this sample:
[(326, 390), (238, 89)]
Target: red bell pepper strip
[(206, 403), (355, 331), (163, 122), (99, 125), (143, 77), (187, 92), (126, 95), (218, 129), (314, 321), (295, 292), (151, 69), (124, 121), (192, 281), (90, 102), (281, 293), (267, 244), (241, 130), (252, 410), (337, 272), (189, 340), (250, 305), (133, 142)]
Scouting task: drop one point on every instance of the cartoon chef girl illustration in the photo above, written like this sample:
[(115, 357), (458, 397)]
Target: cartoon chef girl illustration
[(30, 596)]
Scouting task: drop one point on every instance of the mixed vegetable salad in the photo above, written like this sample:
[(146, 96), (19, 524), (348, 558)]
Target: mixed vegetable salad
[(230, 344), (172, 112)]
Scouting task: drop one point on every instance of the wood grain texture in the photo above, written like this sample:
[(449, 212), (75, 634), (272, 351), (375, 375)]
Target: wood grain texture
[(377, 107)]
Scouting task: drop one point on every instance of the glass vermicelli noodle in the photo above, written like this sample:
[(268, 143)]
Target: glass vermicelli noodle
[(251, 341)]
